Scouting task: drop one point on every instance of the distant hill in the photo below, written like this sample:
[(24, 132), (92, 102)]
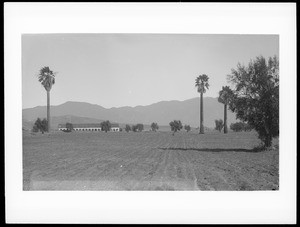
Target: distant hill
[(162, 112)]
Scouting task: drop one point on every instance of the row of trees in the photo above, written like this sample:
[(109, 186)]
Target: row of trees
[(41, 125), (254, 97)]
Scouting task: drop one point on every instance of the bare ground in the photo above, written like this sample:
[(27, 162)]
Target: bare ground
[(148, 161)]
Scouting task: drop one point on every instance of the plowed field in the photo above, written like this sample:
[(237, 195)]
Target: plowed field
[(148, 161)]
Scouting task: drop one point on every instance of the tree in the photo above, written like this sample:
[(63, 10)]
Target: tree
[(256, 96), (140, 127), (175, 126), (201, 84), (219, 125), (47, 78), (69, 126), (127, 128), (187, 128), (105, 126), (225, 95), (134, 128), (40, 125), (154, 126)]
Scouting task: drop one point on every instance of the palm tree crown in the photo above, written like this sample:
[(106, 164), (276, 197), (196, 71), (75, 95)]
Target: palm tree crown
[(225, 94), (46, 77), (202, 83)]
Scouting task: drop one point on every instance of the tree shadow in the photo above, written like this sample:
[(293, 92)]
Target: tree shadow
[(253, 150)]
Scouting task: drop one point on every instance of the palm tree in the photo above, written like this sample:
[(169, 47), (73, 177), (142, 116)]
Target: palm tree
[(202, 85), (47, 79), (224, 97)]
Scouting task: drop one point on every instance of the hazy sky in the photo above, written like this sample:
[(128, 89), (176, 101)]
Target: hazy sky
[(115, 70)]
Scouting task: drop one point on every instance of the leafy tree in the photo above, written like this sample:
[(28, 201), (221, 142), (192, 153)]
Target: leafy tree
[(256, 96), (134, 128), (219, 125), (176, 125), (127, 128), (140, 127), (105, 126), (47, 78), (201, 84), (40, 125), (225, 95), (154, 126), (69, 127), (187, 128)]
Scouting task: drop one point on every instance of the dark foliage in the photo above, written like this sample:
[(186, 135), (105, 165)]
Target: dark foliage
[(256, 96), (154, 126), (40, 125), (69, 127), (127, 128), (187, 128), (105, 126), (219, 125), (176, 125)]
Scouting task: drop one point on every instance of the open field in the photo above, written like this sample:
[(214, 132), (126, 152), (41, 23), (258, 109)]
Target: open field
[(148, 161)]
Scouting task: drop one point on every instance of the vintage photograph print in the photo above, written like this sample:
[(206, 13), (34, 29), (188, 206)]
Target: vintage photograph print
[(148, 112)]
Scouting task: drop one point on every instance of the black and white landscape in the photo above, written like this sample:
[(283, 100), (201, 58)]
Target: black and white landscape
[(224, 137)]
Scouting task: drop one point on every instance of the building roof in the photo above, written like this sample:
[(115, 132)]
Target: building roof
[(88, 125)]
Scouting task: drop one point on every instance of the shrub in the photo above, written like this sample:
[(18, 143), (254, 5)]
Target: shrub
[(154, 126), (187, 128), (40, 125), (176, 125), (105, 126), (127, 128), (219, 125), (69, 127)]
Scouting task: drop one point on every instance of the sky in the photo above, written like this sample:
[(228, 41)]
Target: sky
[(114, 70)]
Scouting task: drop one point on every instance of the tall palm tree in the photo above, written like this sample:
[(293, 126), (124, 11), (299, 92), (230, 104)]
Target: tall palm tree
[(224, 97), (47, 78), (202, 85)]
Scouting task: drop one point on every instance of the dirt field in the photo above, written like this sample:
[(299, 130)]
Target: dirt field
[(148, 161)]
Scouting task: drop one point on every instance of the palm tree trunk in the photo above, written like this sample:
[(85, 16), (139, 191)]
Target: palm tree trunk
[(48, 110), (225, 119), (201, 114)]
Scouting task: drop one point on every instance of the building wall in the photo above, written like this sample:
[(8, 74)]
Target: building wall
[(87, 129), (82, 129), (115, 129)]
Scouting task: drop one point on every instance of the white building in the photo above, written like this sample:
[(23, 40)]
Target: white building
[(115, 128), (89, 127), (81, 127)]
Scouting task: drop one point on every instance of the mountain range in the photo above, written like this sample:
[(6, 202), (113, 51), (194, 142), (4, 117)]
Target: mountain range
[(162, 112)]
